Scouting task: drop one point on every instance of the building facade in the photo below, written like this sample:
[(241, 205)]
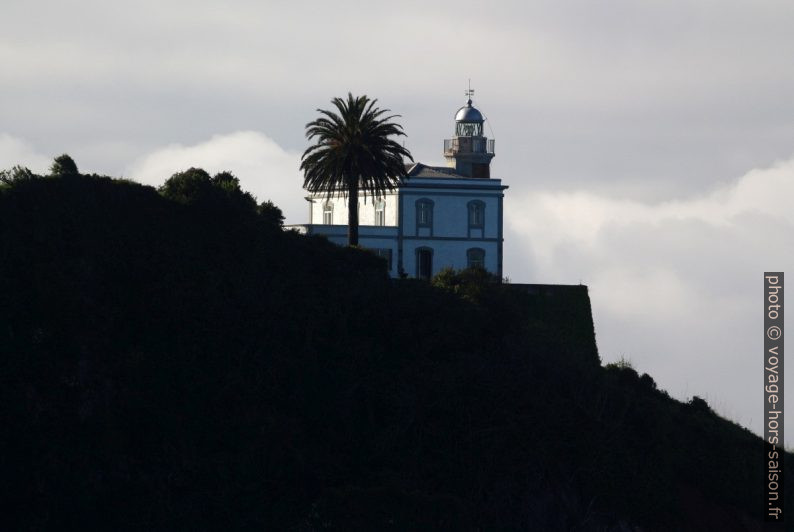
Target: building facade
[(437, 217)]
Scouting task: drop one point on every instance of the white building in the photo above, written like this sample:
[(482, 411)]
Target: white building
[(436, 217)]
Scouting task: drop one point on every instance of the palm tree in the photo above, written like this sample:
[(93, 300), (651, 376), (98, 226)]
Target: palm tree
[(353, 153)]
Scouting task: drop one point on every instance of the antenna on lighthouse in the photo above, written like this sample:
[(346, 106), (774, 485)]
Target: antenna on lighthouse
[(470, 92)]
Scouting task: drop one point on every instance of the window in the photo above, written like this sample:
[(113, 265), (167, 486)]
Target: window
[(380, 211), (476, 214), (468, 129), (424, 213), (328, 213), (424, 263), (475, 258)]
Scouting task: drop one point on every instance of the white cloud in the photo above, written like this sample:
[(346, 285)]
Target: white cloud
[(675, 285), (263, 167), (15, 151)]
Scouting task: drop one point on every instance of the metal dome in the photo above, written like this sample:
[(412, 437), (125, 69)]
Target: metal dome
[(467, 113)]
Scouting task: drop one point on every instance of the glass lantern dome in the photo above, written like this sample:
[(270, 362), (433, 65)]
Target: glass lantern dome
[(468, 121)]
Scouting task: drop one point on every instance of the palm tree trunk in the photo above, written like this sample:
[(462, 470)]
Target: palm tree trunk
[(352, 215)]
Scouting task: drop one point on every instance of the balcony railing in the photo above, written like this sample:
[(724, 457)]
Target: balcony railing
[(468, 145)]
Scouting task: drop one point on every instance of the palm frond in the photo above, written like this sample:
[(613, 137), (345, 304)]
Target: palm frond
[(353, 149)]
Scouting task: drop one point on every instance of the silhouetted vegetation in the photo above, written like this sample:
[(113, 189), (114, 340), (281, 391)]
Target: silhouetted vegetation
[(63, 165), (174, 360)]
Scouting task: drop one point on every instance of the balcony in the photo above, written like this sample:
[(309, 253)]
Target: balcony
[(460, 145)]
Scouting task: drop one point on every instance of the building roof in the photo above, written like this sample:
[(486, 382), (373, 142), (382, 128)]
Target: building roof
[(419, 170), (422, 170)]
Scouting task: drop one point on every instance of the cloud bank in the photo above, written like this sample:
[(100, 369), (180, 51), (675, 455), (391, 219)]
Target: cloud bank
[(263, 167), (15, 151)]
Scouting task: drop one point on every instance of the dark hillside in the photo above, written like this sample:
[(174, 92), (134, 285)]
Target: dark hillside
[(174, 360)]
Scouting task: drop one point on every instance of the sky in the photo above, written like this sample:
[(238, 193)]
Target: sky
[(648, 146)]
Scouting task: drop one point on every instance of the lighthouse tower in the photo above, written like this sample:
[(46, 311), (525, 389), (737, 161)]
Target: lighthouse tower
[(469, 152)]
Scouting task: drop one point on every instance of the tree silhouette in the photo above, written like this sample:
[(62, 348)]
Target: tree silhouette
[(271, 213), (63, 165), (353, 153), (16, 173), (194, 186)]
